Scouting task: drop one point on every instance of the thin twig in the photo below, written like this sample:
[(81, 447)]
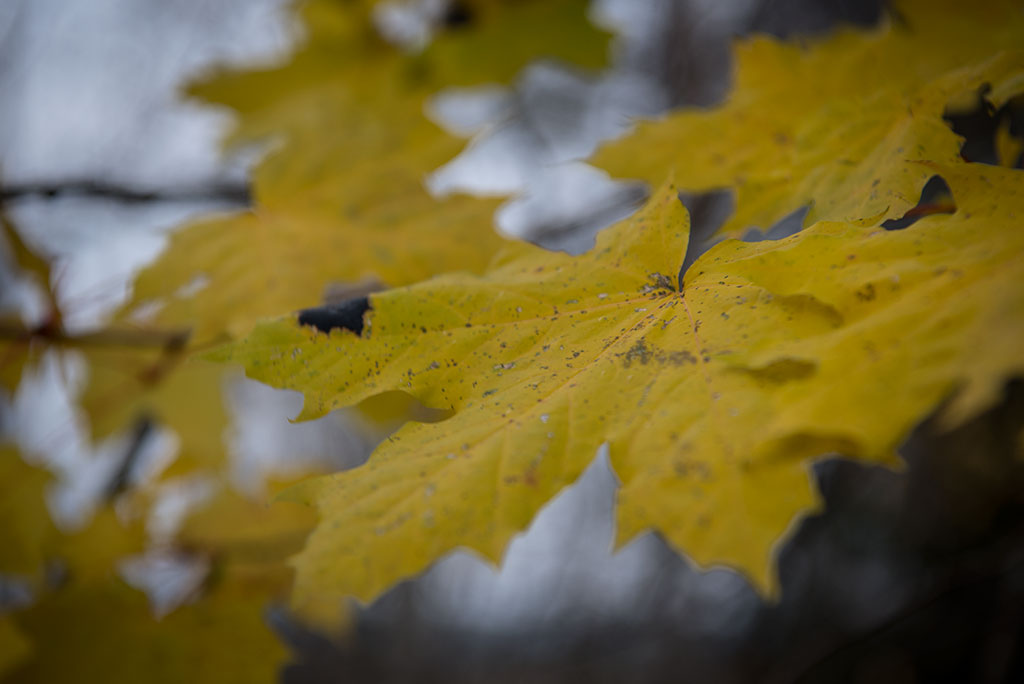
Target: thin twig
[(121, 480), (171, 340), (234, 193)]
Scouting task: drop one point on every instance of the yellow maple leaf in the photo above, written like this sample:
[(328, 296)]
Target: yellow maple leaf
[(713, 398), (836, 124), (342, 197)]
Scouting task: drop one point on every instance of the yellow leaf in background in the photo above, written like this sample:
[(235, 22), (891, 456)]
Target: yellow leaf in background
[(837, 123), (255, 540), (257, 535), (127, 385), (14, 647), (91, 555), (25, 527), (713, 400), (340, 197), (106, 633), (14, 356), (88, 625)]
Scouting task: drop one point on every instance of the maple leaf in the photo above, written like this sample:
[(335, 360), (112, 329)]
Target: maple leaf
[(342, 197), (713, 399), (836, 124)]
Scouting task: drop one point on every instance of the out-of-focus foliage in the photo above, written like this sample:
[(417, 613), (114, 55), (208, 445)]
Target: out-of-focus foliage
[(836, 124), (340, 197), (14, 647), (25, 527), (184, 394), (91, 626), (106, 633)]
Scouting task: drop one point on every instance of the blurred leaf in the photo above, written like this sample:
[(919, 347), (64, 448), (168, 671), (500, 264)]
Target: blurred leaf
[(837, 124), (179, 392), (106, 633), (341, 195), (24, 521), (256, 534), (91, 626), (14, 647)]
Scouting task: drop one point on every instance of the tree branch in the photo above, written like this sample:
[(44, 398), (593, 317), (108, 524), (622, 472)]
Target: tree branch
[(235, 193), (170, 340)]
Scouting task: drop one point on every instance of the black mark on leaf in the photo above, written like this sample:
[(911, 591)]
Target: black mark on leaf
[(347, 315), (643, 353)]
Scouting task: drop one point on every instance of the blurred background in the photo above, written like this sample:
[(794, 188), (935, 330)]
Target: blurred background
[(912, 576)]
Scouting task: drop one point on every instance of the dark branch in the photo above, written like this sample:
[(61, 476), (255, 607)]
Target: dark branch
[(234, 193), (121, 480), (169, 340)]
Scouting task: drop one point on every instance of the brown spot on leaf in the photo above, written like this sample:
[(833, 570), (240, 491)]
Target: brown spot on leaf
[(782, 370)]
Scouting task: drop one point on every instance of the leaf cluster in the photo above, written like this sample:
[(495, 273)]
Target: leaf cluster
[(715, 388)]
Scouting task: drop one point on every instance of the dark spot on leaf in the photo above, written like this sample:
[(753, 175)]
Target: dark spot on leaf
[(866, 293), (347, 315), (661, 281), (687, 468), (638, 352), (645, 353), (782, 370)]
